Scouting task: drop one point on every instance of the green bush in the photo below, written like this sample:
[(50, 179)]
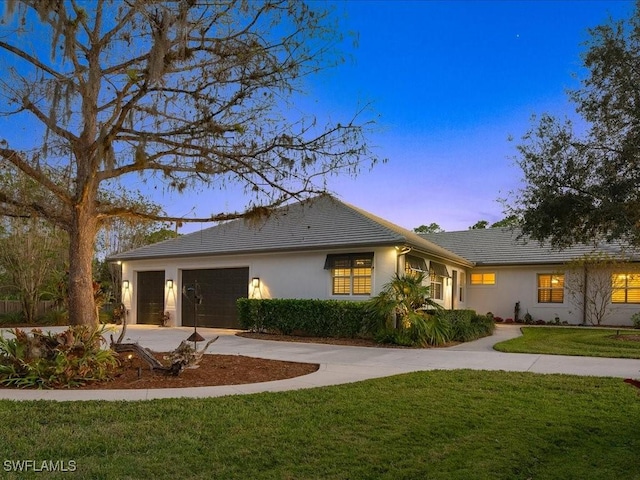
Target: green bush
[(467, 325), (47, 360), (317, 318), (11, 319), (54, 318), (438, 328), (635, 319)]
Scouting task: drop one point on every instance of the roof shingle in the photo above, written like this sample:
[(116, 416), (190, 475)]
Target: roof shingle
[(321, 222)]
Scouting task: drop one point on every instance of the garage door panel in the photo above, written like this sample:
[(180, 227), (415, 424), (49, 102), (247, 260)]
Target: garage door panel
[(150, 297), (219, 288)]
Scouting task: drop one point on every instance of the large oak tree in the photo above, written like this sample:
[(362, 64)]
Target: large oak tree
[(582, 179), (180, 93)]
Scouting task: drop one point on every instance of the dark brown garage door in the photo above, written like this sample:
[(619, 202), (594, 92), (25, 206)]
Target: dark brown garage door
[(150, 297), (219, 289)]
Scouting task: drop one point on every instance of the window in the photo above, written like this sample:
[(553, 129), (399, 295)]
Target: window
[(436, 287), (483, 278), (461, 284), (550, 288), (438, 272), (625, 288), (414, 265), (351, 273)]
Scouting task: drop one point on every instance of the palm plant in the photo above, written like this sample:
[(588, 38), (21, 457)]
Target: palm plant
[(399, 306)]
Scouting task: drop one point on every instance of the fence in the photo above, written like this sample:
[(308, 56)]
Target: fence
[(15, 306)]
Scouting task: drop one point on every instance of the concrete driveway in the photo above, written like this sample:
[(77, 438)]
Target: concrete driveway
[(339, 364)]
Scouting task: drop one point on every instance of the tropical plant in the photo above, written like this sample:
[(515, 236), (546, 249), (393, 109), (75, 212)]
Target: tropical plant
[(46, 360), (398, 306)]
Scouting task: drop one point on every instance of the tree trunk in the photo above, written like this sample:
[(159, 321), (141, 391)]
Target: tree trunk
[(82, 309)]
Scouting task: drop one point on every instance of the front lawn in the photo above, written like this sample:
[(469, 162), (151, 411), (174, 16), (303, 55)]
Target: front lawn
[(580, 341), (427, 425)]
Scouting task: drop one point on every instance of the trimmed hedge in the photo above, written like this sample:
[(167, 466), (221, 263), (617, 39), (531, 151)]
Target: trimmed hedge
[(317, 318), (467, 325)]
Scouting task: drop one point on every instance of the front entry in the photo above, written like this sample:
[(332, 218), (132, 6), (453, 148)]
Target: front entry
[(150, 297), (218, 288)]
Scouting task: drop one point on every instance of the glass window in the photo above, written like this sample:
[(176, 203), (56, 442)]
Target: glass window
[(351, 273), (436, 287), (483, 278), (550, 288), (625, 288)]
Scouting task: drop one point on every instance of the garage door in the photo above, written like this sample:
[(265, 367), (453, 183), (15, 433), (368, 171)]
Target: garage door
[(150, 297), (219, 289)]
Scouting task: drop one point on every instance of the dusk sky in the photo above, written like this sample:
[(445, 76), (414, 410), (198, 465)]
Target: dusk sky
[(451, 81)]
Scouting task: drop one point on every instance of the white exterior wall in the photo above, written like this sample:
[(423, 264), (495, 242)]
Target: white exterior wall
[(520, 283), (282, 275)]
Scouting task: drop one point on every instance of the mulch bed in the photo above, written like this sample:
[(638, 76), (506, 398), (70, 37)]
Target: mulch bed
[(213, 370)]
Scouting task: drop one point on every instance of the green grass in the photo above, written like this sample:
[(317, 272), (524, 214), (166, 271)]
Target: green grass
[(580, 341), (427, 425)]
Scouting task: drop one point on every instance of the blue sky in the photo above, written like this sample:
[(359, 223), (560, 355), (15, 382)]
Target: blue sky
[(449, 83)]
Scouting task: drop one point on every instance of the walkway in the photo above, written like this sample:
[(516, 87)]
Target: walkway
[(339, 364)]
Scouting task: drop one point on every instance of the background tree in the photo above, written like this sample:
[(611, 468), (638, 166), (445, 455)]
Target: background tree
[(480, 224), (33, 256), (179, 94), (589, 282), (509, 221), (583, 186), (431, 228)]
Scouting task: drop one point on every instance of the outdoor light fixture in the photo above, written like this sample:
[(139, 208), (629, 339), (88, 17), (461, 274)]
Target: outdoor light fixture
[(170, 284), (125, 284), (255, 281), (403, 250)]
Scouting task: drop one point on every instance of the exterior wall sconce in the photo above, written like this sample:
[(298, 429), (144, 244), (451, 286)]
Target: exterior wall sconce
[(125, 284), (255, 282), (170, 284)]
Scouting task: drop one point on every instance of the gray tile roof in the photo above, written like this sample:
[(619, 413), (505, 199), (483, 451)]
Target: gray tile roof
[(506, 246), (321, 222)]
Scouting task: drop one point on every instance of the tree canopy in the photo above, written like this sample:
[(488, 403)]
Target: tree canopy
[(431, 228), (582, 183), (180, 94)]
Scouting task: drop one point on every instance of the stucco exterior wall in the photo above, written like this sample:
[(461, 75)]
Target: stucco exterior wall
[(515, 284), (282, 275)]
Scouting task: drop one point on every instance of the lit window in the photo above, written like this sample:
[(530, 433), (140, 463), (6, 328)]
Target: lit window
[(483, 279), (436, 287), (550, 288), (350, 274), (413, 265), (625, 288)]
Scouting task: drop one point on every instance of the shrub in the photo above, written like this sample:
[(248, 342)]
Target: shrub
[(46, 360), (635, 319), (11, 319), (439, 328), (394, 336), (318, 318), (467, 325)]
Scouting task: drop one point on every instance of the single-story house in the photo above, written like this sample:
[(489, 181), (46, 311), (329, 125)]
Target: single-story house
[(547, 283), (326, 249)]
